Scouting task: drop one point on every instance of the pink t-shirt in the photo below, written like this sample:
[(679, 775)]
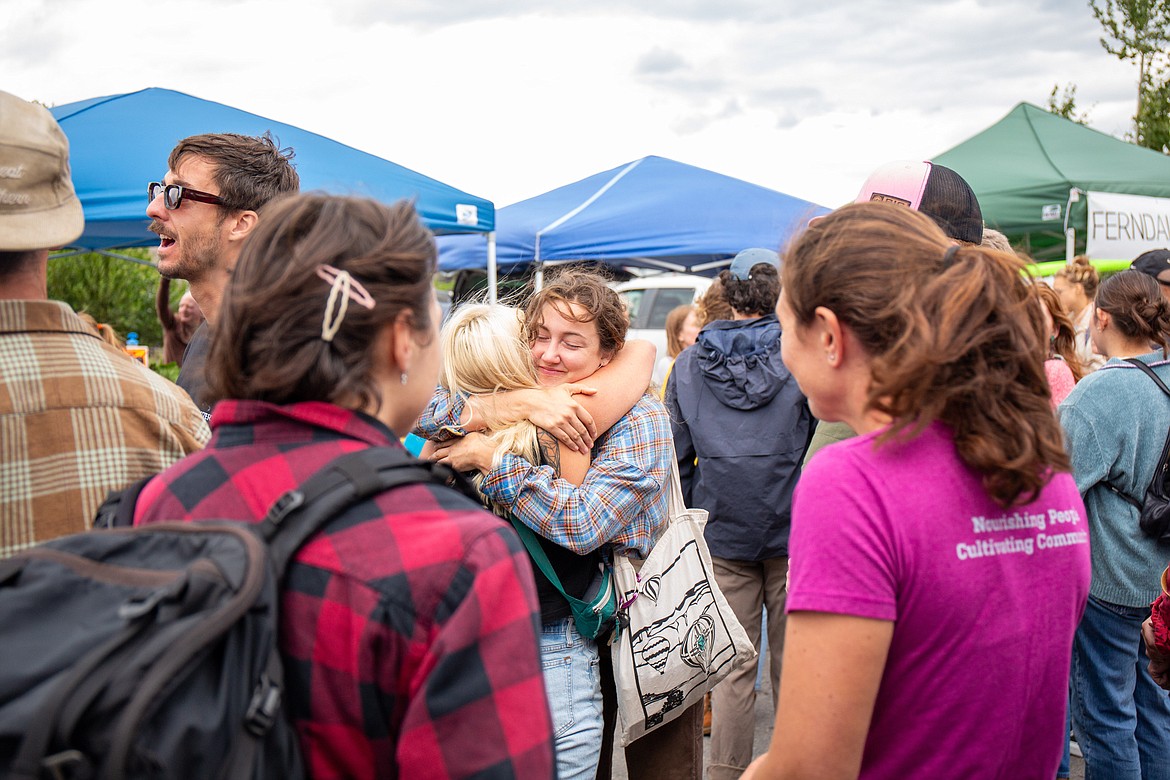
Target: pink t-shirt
[(984, 600), (1060, 380)]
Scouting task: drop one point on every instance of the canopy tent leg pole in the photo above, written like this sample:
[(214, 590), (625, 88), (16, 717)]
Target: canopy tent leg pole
[(1070, 233), (491, 267)]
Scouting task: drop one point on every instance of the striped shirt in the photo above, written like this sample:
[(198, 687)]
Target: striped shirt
[(78, 418)]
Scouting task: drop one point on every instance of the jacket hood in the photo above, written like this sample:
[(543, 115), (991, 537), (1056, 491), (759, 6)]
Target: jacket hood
[(740, 361)]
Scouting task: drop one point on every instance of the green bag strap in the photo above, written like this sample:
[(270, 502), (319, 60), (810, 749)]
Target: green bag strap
[(537, 554)]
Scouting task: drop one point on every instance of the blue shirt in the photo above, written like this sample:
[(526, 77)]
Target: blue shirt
[(1115, 423)]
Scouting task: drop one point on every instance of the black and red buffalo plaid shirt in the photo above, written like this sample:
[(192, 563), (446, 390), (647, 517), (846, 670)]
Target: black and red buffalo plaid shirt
[(408, 625)]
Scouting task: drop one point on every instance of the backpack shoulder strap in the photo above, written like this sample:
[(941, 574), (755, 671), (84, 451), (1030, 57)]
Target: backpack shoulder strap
[(1150, 373), (537, 553), (350, 478), (1162, 459), (117, 511)]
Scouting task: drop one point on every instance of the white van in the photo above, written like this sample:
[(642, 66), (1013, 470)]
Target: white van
[(650, 298)]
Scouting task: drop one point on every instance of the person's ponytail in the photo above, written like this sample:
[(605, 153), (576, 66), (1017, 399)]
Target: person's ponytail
[(954, 332), (1137, 306)]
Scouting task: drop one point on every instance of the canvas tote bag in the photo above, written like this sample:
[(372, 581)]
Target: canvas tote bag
[(676, 635)]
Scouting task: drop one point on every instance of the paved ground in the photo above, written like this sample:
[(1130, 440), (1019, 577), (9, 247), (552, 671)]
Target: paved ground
[(764, 721)]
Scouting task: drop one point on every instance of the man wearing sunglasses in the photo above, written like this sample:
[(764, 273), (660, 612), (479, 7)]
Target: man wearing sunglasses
[(202, 210)]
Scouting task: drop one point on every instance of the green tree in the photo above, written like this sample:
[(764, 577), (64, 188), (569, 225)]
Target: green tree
[(1152, 124), (1138, 30), (117, 292), (1065, 104)]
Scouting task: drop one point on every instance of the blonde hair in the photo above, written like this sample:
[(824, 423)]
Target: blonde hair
[(107, 333), (993, 239), (485, 351), (1080, 271)]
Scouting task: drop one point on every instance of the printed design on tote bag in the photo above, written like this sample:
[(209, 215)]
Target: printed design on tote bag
[(689, 632)]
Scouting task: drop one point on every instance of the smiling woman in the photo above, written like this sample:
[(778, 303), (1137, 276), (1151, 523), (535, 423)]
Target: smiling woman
[(573, 327)]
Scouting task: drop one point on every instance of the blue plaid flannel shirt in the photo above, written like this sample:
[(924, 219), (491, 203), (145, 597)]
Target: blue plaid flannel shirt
[(621, 503)]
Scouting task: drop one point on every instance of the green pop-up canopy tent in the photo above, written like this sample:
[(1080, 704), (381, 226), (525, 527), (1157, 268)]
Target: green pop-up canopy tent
[(1032, 171)]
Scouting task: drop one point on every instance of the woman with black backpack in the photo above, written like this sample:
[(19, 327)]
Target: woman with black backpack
[(407, 623), (1115, 422)]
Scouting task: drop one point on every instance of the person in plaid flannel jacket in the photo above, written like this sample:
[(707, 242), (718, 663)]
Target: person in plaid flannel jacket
[(409, 623), (77, 417)]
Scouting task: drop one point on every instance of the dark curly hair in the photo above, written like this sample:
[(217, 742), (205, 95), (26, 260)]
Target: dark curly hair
[(755, 296)]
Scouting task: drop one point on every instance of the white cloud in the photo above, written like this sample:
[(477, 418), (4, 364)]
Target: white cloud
[(509, 98)]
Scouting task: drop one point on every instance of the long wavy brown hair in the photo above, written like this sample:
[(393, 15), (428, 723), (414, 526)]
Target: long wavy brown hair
[(1064, 334), (954, 334)]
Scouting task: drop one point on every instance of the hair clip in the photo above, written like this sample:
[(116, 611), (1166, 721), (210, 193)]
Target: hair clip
[(949, 256), (344, 287)]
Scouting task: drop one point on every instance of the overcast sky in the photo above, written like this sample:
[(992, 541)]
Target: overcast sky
[(509, 98)]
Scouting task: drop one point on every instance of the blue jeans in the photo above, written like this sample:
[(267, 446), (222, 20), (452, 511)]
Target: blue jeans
[(574, 698), (1065, 768), (1120, 716)]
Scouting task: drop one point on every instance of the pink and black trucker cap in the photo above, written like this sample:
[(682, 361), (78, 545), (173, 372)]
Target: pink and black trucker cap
[(936, 191)]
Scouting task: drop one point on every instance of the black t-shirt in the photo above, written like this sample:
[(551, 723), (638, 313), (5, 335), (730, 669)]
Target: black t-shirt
[(192, 376), (576, 573)]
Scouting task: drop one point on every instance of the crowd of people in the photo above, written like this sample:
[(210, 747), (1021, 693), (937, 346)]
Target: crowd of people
[(922, 468)]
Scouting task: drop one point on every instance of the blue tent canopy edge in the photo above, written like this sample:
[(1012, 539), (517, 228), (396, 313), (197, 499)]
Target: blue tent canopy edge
[(653, 213), (119, 143)]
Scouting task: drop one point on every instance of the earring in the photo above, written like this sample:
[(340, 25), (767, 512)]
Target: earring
[(402, 377), (832, 357)]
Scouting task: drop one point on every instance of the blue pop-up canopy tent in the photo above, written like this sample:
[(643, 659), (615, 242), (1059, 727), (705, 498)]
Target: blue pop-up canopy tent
[(651, 213), (119, 143)]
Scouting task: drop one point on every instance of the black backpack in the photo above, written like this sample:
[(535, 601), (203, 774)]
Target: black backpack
[(1154, 511), (152, 651)]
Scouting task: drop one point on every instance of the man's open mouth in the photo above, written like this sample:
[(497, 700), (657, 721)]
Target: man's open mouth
[(165, 240)]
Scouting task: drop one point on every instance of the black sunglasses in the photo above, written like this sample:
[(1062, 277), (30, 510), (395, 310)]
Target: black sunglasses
[(173, 195)]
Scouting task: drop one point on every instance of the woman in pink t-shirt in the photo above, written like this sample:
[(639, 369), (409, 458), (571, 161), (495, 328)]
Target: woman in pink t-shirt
[(940, 559)]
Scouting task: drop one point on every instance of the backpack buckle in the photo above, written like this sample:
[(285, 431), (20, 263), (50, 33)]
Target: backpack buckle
[(263, 708), (136, 608), (66, 765), (283, 505)]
